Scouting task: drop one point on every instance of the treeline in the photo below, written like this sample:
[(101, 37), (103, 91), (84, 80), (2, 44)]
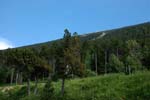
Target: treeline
[(115, 55), (70, 58), (58, 61)]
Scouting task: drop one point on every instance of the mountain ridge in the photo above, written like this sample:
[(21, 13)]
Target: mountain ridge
[(92, 35)]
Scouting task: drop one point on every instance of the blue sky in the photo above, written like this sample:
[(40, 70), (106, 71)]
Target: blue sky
[(24, 22)]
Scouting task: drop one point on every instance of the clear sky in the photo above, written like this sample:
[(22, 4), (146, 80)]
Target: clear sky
[(24, 22)]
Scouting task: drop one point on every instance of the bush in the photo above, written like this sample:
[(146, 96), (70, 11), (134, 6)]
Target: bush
[(89, 73), (48, 91), (3, 96), (31, 97), (3, 74)]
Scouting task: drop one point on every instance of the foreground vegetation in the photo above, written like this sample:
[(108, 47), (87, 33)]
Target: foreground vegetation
[(107, 87)]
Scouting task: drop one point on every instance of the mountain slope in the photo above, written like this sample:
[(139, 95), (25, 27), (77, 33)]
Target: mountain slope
[(130, 32)]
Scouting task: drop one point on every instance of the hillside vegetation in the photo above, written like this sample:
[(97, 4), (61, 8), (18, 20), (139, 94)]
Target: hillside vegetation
[(109, 87), (124, 50)]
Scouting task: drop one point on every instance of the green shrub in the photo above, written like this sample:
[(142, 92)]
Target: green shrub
[(89, 73), (3, 96), (48, 91), (31, 97), (4, 73)]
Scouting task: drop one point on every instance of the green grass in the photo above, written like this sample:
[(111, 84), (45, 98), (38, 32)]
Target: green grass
[(108, 87)]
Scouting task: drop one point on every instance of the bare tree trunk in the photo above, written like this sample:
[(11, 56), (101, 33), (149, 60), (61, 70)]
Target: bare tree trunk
[(62, 86), (43, 76), (12, 76), (16, 78), (28, 86), (117, 53), (129, 69), (126, 69), (53, 66), (72, 75), (96, 64), (105, 62), (36, 85), (49, 76), (20, 78)]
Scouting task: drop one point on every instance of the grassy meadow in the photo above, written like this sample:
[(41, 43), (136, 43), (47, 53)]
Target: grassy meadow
[(108, 87)]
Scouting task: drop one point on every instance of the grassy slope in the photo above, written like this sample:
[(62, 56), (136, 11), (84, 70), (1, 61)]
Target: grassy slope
[(109, 87)]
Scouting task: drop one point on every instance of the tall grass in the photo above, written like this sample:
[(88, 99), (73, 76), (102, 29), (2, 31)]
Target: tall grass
[(108, 87)]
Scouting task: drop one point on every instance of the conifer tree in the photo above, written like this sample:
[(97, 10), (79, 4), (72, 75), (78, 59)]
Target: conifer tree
[(115, 65)]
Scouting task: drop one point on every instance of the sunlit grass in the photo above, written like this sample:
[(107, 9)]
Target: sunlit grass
[(104, 87)]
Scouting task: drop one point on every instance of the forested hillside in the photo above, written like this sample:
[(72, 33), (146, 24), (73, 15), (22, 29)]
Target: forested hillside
[(124, 50)]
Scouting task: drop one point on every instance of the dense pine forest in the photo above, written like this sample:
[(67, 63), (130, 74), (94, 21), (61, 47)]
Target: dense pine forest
[(106, 65)]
